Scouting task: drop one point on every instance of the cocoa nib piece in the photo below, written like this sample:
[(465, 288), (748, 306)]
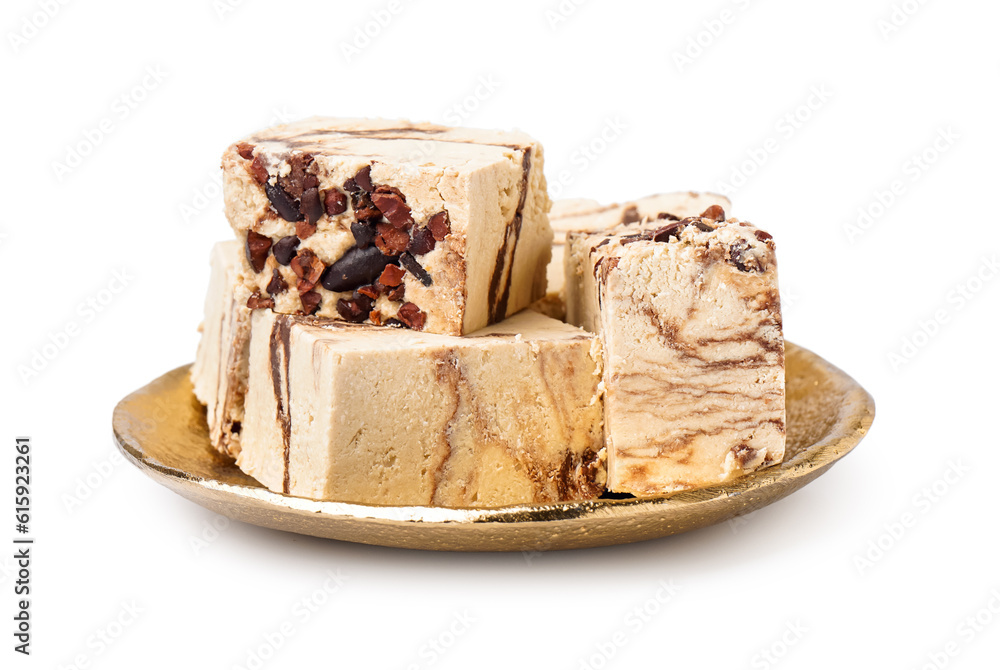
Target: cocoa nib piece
[(439, 225), (391, 276), (390, 240), (703, 225), (335, 202), (355, 268), (304, 229), (673, 230), (411, 316), (282, 203), (668, 216), (258, 171), (364, 210), (634, 237), (364, 179), (245, 150), (257, 247), (375, 317), (277, 285), (366, 303), (350, 310), (762, 236), (631, 214), (256, 168), (417, 270), (715, 212), (392, 203), (698, 223), (371, 290), (423, 242), (357, 309), (310, 302), (666, 232), (284, 249), (308, 268), (255, 301), (396, 293), (299, 177), (740, 256), (310, 206)]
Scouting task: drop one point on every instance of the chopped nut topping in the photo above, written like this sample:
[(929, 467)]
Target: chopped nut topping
[(335, 202), (310, 302), (308, 268), (371, 290), (396, 293), (439, 225), (258, 171), (422, 243), (245, 150), (715, 212), (390, 240), (257, 247), (284, 249), (255, 301), (393, 206), (411, 316), (277, 285), (392, 275), (350, 310), (310, 207)]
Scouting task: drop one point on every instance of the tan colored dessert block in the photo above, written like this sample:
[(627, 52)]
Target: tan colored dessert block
[(325, 206), (511, 414), (570, 215), (690, 318), (219, 373)]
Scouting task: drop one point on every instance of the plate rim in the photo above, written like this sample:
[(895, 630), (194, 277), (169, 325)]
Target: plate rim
[(845, 432)]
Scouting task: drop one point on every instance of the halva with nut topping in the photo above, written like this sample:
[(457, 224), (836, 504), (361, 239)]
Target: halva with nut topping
[(690, 319), (427, 227)]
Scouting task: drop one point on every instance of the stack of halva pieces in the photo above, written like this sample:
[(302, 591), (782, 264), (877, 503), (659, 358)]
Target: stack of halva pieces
[(396, 323)]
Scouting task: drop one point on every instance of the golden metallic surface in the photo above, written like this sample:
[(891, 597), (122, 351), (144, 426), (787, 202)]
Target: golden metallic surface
[(161, 429)]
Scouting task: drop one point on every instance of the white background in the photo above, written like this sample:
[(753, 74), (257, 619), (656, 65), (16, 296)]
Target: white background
[(827, 578)]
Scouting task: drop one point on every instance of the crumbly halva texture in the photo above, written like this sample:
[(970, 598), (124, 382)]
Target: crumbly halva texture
[(219, 374), (431, 228), (690, 319), (569, 215), (355, 413)]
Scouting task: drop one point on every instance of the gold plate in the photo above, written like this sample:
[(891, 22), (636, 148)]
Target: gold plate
[(161, 429)]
